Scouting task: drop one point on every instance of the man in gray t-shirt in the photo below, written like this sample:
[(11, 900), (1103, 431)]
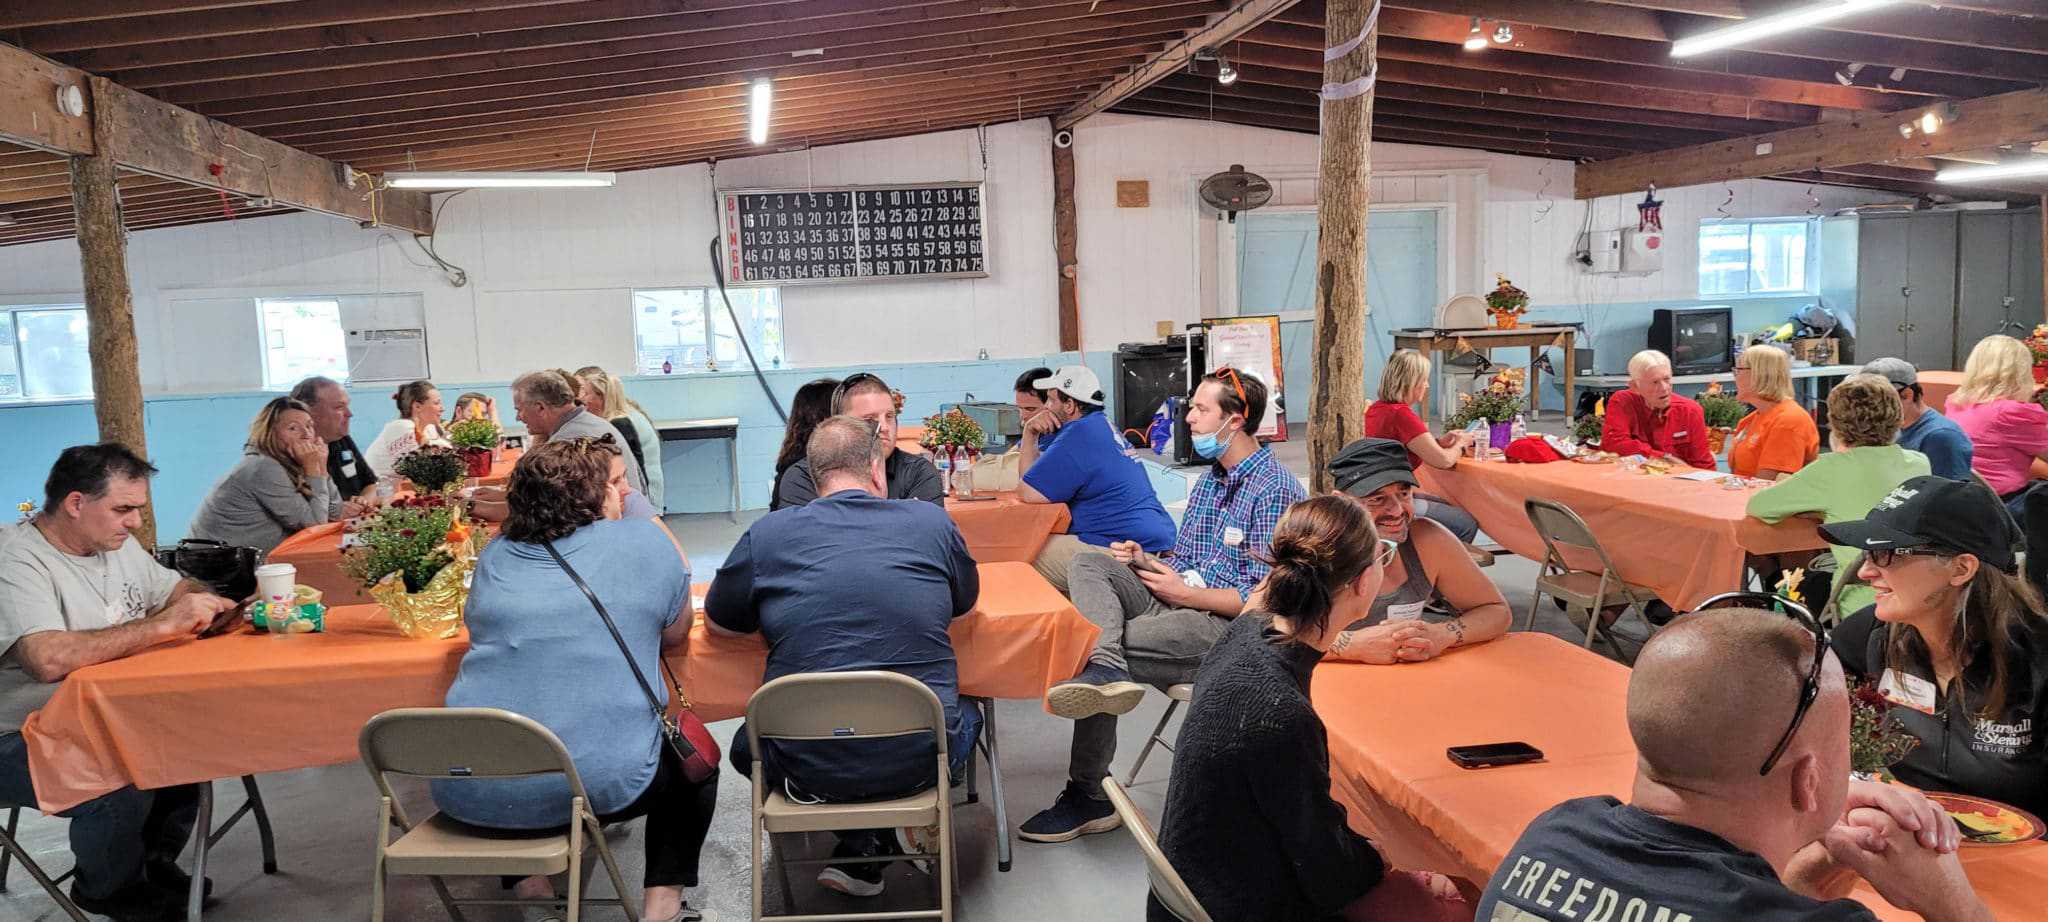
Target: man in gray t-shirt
[(76, 589)]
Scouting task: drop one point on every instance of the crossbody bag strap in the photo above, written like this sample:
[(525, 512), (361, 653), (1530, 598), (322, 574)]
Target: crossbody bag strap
[(660, 713)]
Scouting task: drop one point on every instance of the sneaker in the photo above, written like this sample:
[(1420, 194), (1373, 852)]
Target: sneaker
[(684, 913), (864, 879), (1099, 689), (919, 840), (1070, 817), (137, 902), (166, 875)]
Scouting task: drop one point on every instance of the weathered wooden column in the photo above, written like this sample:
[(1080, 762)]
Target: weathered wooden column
[(109, 303), (1066, 240), (1337, 385)]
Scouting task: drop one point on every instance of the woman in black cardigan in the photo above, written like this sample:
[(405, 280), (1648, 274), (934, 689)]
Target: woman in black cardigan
[(1249, 821)]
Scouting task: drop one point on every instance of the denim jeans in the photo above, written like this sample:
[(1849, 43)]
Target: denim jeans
[(111, 835), (1439, 510)]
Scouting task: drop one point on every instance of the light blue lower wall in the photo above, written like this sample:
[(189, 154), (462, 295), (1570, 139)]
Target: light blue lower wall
[(195, 439)]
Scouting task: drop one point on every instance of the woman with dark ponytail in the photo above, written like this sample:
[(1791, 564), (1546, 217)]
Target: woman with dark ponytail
[(1249, 821)]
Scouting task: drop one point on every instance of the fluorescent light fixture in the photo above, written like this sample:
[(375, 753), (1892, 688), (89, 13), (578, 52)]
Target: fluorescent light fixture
[(6, 221), (762, 98), (1475, 40), (2037, 166), (512, 179), (1765, 26)]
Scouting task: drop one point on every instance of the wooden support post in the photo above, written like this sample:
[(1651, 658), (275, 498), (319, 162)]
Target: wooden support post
[(1065, 240), (1337, 382), (2044, 257), (110, 309)]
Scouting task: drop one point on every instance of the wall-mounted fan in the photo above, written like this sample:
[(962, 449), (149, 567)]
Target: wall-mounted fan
[(1235, 190)]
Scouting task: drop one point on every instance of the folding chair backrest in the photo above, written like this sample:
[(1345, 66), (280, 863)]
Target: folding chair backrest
[(845, 706), (1559, 526), (463, 743), (1832, 613), (1167, 887)]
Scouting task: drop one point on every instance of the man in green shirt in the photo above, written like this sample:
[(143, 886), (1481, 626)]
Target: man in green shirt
[(1844, 483)]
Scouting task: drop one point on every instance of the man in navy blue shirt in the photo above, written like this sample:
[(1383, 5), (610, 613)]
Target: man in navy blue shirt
[(1106, 490), (852, 581), (1921, 427)]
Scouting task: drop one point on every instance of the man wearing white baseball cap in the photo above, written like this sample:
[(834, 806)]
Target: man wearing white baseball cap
[(1085, 467)]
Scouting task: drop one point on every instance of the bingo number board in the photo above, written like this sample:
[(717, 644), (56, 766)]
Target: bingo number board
[(853, 233)]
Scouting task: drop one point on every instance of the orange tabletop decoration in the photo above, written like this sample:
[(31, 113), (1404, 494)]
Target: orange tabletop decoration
[(1684, 539), (1388, 768), (248, 703)]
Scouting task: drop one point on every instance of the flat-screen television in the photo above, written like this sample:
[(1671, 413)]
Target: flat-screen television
[(1698, 340)]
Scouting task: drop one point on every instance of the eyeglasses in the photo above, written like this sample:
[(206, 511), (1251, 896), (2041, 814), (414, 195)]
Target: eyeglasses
[(1885, 557), (1388, 548), (1809, 690)]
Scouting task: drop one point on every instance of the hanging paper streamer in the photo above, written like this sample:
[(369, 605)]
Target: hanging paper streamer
[(1723, 209), (1650, 212), (1348, 89)]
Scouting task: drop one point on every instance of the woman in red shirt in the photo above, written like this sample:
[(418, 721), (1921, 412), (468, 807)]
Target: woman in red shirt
[(1406, 382)]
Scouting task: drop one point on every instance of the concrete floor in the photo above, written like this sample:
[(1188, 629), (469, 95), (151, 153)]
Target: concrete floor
[(325, 818)]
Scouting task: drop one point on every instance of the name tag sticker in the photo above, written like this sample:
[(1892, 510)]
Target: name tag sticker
[(1233, 536), (1405, 611), (348, 467), (1908, 690), (1681, 434)]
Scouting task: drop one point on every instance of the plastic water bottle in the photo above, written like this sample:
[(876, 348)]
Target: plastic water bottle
[(1518, 429), (1482, 436), (943, 460)]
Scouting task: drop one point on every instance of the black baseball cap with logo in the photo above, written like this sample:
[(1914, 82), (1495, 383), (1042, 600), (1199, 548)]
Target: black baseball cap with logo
[(1934, 512)]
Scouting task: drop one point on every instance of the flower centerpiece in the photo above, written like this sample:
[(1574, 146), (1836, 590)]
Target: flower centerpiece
[(1497, 404), (1722, 410), (475, 440), (432, 468), (1876, 742), (2038, 342), (955, 440), (415, 555), (1506, 304), (1586, 429)]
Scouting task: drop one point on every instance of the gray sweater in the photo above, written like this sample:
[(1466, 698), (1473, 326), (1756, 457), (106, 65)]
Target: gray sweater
[(255, 505)]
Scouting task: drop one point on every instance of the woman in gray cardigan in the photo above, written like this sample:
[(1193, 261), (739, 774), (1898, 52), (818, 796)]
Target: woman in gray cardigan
[(280, 488)]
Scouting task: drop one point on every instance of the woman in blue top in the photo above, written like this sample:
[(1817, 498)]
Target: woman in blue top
[(527, 620), (1085, 467)]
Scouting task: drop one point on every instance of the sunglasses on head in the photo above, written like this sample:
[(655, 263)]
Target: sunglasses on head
[(1235, 382), (1809, 689)]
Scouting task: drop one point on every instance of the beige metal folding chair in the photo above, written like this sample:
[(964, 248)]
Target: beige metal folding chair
[(54, 886), (1176, 695), (1584, 591), (468, 744), (1167, 887), (836, 706)]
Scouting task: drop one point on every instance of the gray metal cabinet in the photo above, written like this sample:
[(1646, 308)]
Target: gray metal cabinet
[(1898, 280), (1998, 284)]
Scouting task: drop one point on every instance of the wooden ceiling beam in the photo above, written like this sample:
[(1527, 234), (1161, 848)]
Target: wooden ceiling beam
[(1500, 144), (170, 27), (145, 135), (1446, 134), (656, 40), (768, 59), (23, 13), (1221, 28), (1864, 138), (1394, 111)]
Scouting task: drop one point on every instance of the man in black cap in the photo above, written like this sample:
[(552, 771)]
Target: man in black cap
[(1956, 641), (1435, 596)]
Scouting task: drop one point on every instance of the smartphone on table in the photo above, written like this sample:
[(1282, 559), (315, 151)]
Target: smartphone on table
[(1491, 755)]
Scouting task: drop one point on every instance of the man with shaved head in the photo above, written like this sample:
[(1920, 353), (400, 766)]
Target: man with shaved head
[(1742, 808)]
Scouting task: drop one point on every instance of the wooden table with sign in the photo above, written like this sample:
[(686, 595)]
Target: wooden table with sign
[(1686, 540), (1458, 342), (246, 703), (1389, 769)]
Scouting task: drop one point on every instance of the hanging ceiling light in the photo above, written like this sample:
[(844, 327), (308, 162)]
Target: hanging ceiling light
[(1503, 34), (1475, 40), (1846, 75), (1930, 122), (762, 99), (1750, 30), (1225, 74), (2036, 166), (514, 179)]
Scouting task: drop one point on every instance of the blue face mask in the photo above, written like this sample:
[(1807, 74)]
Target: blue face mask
[(1208, 446)]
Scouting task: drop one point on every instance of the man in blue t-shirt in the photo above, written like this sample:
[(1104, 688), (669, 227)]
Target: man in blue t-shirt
[(1921, 427), (851, 581), (1106, 490)]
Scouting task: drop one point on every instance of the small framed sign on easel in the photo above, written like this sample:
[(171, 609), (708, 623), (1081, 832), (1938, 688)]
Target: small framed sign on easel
[(1252, 345)]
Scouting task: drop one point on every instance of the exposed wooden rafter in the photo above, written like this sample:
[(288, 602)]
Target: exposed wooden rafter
[(1245, 15)]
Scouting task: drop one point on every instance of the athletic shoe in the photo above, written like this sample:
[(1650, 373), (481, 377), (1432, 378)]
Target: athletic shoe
[(1099, 689), (1070, 817), (166, 875), (863, 879)]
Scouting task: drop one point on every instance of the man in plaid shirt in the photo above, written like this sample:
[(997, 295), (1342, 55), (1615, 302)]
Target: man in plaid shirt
[(1159, 616)]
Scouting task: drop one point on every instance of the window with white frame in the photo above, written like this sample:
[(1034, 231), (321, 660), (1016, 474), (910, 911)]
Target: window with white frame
[(301, 338), (688, 329), (44, 353), (1757, 258)]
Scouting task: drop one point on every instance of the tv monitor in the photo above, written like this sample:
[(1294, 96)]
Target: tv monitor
[(1698, 340)]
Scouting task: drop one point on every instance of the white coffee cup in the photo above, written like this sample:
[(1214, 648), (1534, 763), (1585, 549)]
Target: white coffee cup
[(276, 582)]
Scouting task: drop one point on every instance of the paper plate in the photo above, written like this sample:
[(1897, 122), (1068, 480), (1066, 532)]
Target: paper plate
[(1988, 822)]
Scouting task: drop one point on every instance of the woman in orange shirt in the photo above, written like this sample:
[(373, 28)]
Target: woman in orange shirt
[(1780, 437)]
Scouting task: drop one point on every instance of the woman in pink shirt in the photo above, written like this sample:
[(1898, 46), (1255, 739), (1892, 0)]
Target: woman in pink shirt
[(1996, 409)]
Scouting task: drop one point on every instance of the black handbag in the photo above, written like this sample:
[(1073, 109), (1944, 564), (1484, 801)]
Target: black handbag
[(685, 733)]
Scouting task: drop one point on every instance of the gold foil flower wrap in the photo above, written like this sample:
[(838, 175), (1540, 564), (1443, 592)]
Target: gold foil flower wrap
[(434, 611)]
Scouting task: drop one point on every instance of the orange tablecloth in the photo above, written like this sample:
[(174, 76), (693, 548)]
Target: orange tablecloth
[(1936, 386), (911, 439), (501, 469), (1007, 528), (1021, 637), (1685, 540), (247, 703), (317, 553), (1390, 771)]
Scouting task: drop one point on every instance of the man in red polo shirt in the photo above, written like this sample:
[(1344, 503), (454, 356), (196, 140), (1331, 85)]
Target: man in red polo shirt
[(1652, 420)]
